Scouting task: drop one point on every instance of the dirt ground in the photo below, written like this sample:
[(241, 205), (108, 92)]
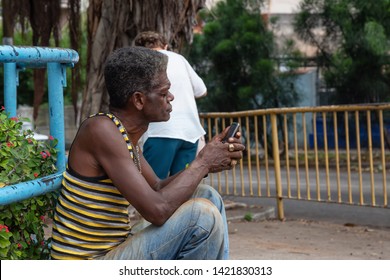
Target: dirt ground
[(268, 238)]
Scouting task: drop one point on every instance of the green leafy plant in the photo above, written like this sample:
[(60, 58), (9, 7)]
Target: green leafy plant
[(235, 56), (22, 158), (248, 216)]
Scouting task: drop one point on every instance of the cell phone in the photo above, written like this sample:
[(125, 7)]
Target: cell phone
[(232, 131)]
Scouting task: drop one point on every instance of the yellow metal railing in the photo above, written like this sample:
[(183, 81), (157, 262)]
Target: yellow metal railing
[(329, 154)]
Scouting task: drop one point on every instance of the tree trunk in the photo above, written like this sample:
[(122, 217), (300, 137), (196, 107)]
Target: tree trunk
[(115, 23), (75, 38), (8, 7), (44, 19)]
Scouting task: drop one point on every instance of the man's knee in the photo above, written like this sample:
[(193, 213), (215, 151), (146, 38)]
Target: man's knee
[(206, 191), (206, 214)]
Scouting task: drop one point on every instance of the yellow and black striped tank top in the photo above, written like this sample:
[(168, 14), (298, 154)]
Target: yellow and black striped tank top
[(91, 216)]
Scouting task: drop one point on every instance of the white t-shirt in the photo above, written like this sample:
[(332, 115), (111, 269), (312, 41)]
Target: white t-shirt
[(184, 122)]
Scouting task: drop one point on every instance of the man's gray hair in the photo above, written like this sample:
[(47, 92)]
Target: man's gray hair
[(132, 69)]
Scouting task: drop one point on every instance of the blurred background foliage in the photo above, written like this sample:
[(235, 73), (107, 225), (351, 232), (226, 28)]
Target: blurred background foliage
[(235, 51)]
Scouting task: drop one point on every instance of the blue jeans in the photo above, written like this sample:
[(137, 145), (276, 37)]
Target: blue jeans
[(196, 231), (168, 156)]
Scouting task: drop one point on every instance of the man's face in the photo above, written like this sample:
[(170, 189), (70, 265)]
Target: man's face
[(159, 100)]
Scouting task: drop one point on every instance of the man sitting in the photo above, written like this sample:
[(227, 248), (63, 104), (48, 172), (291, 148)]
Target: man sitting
[(107, 172)]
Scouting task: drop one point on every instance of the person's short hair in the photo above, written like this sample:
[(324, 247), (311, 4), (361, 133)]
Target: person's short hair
[(150, 39), (132, 69)]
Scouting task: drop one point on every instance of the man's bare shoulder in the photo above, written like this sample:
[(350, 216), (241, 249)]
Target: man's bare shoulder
[(97, 124), (97, 129)]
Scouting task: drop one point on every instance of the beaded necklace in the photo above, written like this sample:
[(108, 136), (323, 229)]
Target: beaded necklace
[(136, 159)]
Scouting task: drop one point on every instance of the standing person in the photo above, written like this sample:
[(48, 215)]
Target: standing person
[(170, 146), (106, 172)]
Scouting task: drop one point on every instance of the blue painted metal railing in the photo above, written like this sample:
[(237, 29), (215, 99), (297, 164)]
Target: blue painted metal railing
[(56, 61)]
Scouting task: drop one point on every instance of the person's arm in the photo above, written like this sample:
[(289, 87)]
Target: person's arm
[(213, 158), (154, 181), (106, 151), (198, 86), (200, 96), (158, 184)]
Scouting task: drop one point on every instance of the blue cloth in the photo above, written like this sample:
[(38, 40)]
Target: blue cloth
[(168, 156), (197, 230)]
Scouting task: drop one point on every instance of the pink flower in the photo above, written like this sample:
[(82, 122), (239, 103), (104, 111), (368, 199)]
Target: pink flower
[(36, 175), (51, 137), (44, 155), (20, 246), (14, 119), (4, 226), (2, 108), (42, 218), (9, 144)]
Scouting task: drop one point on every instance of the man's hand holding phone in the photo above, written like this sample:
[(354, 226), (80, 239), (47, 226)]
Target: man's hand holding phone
[(233, 129), (224, 151), (231, 133)]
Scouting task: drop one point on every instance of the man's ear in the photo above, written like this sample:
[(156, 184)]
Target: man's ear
[(138, 99)]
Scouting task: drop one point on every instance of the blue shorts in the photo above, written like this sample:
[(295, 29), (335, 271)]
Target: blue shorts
[(168, 156)]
